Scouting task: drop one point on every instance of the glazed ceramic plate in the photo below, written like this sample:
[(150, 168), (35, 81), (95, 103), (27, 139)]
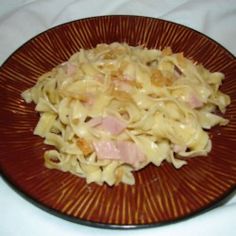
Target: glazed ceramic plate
[(160, 195)]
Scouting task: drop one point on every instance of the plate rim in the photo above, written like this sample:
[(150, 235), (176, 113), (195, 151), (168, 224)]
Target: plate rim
[(225, 197), (114, 15), (214, 204)]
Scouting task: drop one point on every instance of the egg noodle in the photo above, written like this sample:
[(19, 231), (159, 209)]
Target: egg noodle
[(115, 108)]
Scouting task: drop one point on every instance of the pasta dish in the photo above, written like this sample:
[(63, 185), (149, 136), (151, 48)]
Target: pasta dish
[(113, 109)]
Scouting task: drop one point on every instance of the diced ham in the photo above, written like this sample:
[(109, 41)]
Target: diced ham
[(122, 85), (194, 102), (87, 99), (90, 101), (110, 124), (106, 150), (130, 153), (71, 68), (125, 151), (177, 148), (113, 125), (99, 78), (128, 77), (68, 67)]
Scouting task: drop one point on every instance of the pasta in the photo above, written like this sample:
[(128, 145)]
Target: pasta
[(113, 109)]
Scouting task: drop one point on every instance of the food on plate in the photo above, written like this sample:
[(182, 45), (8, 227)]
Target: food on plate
[(113, 109)]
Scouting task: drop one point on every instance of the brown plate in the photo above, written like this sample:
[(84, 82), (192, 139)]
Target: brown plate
[(160, 195)]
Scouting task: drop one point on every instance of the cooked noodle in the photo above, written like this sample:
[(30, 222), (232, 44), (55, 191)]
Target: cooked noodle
[(113, 109)]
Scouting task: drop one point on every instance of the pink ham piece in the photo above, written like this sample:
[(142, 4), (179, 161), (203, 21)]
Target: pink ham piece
[(70, 69), (100, 78), (110, 124), (122, 85), (106, 150), (89, 99), (177, 148), (125, 151), (128, 77), (130, 153), (194, 102)]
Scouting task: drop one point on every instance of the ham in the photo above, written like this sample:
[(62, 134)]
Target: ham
[(122, 85), (128, 77), (194, 102), (130, 153), (87, 99), (125, 151), (70, 69), (106, 150), (177, 148), (100, 78), (110, 124)]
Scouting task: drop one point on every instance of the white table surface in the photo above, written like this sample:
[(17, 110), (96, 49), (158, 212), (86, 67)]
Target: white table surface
[(20, 20)]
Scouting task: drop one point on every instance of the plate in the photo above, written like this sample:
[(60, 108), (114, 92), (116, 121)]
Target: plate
[(161, 195)]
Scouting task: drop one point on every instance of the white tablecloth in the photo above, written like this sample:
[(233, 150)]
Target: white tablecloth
[(20, 20)]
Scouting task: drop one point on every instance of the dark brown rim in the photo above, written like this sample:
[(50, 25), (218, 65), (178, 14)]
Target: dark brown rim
[(218, 202)]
